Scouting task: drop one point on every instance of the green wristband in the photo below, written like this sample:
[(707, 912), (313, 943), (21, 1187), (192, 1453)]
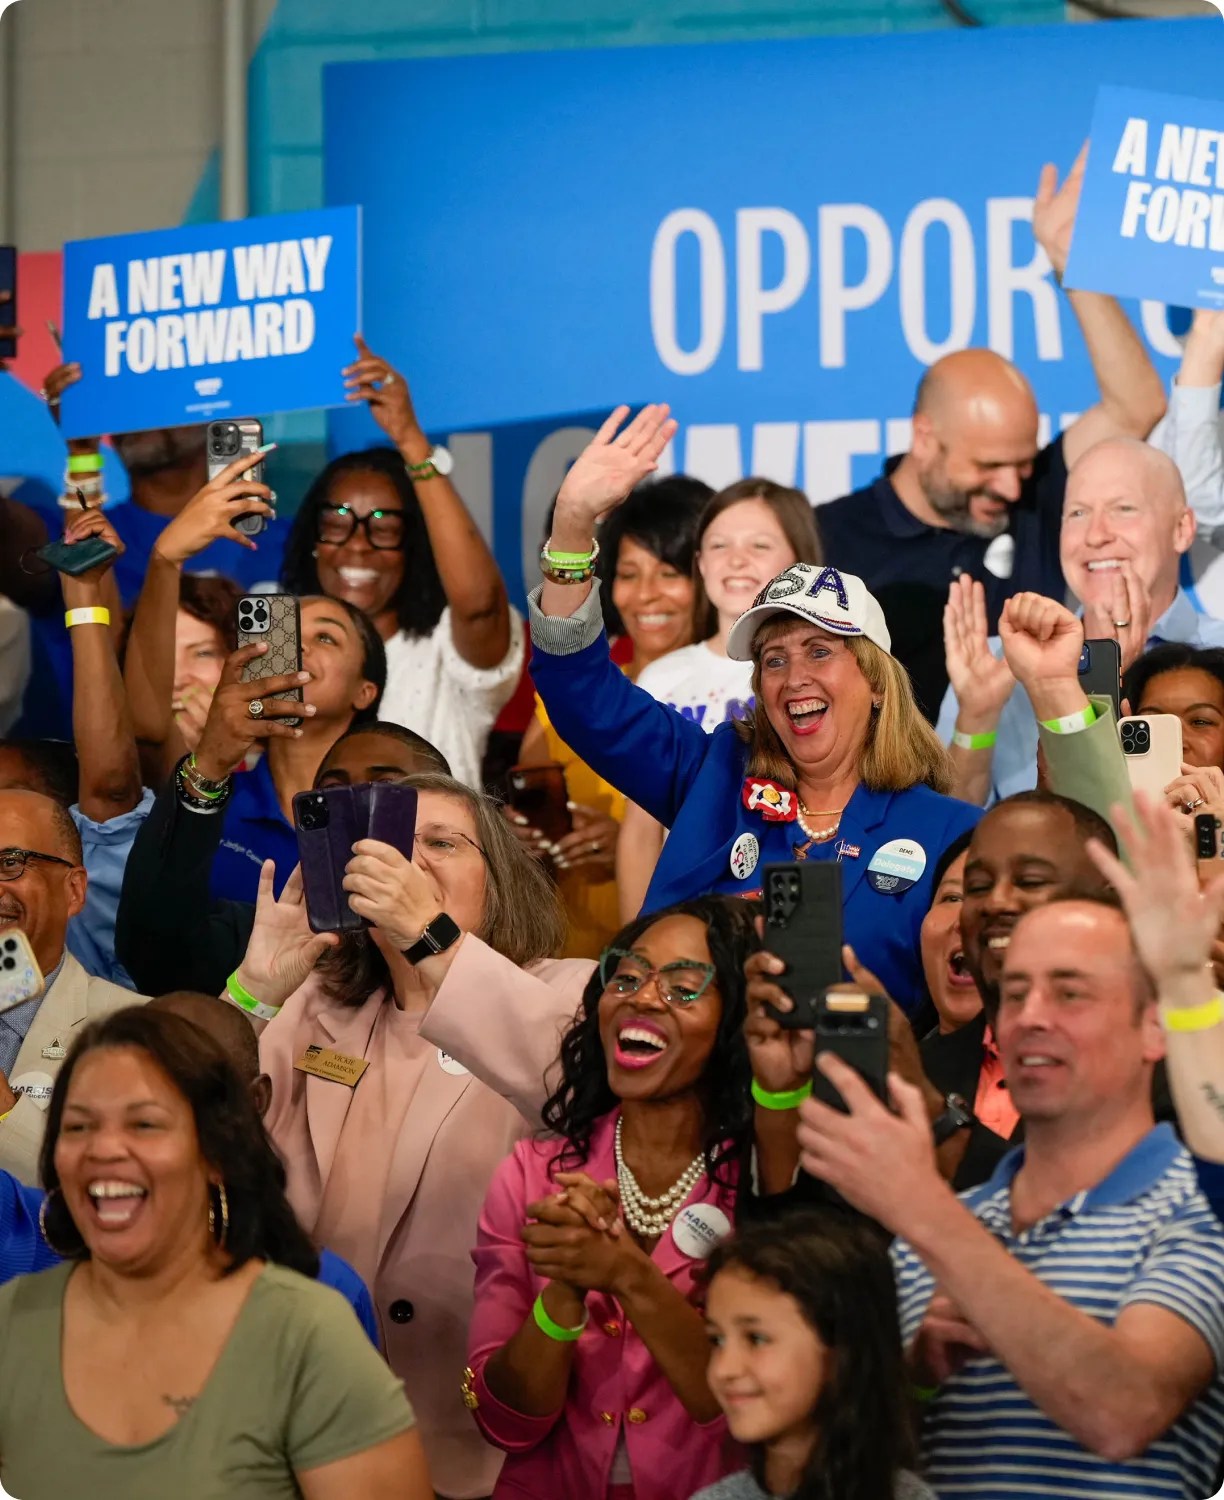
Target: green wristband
[(974, 741), (790, 1100), (85, 463), (244, 1000), (554, 1330)]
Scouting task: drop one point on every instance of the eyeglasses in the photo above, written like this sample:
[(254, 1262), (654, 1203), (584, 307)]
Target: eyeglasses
[(14, 861), (680, 983), (439, 844), (384, 529)]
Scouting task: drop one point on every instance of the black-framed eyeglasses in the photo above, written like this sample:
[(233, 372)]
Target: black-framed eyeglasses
[(14, 861), (682, 982), (337, 524)]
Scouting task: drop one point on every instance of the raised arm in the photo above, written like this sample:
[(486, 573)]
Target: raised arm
[(1192, 432), (471, 580), (1132, 394), (110, 783), (1116, 1388), (981, 685)]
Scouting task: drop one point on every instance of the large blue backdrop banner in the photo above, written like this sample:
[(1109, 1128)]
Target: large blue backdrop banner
[(777, 238)]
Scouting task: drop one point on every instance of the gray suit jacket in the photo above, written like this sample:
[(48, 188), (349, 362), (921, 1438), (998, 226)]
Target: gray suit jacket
[(75, 998)]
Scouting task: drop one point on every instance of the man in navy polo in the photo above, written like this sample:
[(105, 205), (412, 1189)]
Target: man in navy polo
[(977, 494), (1065, 1321)]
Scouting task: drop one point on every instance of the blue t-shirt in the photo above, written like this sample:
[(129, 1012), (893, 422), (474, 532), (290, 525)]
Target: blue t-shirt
[(255, 829), (47, 711), (341, 1277)]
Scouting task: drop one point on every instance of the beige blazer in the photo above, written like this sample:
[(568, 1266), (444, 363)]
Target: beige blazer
[(74, 998), (457, 1130)]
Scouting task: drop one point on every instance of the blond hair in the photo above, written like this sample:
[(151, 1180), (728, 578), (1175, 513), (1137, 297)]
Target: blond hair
[(901, 749)]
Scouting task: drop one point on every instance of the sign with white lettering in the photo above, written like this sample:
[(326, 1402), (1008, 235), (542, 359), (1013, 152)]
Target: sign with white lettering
[(182, 325), (1151, 218)]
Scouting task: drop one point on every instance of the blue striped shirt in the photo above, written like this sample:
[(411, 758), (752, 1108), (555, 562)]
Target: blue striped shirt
[(1144, 1234)]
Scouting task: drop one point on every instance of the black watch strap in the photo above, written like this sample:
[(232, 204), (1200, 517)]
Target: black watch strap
[(441, 934), (956, 1116)]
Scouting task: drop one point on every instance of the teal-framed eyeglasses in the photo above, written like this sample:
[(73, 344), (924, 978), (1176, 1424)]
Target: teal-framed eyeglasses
[(682, 982)]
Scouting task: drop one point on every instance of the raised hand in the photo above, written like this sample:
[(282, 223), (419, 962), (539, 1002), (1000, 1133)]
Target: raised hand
[(781, 1059), (945, 1341), (372, 380), (1203, 355), (230, 729), (982, 683), (614, 462), (397, 896), (210, 514), (591, 847), (1122, 612), (88, 523), (1174, 923), (1055, 208), (282, 951), (1197, 789), (1042, 642)]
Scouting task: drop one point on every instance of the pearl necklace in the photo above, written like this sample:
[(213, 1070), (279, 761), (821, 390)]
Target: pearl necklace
[(816, 835), (649, 1217)]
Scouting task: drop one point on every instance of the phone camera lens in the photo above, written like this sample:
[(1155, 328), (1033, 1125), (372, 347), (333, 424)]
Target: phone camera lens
[(10, 944), (10, 963)]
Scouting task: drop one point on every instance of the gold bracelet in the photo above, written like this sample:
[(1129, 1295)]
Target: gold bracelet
[(1193, 1017)]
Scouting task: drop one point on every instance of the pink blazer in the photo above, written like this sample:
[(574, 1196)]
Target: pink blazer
[(501, 1022), (615, 1387)]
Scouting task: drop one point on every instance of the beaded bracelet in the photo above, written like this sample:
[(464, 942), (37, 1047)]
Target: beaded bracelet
[(568, 567)]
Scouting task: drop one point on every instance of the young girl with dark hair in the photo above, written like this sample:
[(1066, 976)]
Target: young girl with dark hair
[(586, 1351), (806, 1362)]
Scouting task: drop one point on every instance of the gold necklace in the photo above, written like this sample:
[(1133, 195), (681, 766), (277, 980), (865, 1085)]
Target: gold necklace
[(818, 835)]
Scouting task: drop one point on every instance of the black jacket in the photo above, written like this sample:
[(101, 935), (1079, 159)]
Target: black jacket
[(170, 933)]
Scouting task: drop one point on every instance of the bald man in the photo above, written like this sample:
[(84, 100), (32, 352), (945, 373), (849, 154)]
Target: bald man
[(1125, 529), (42, 884), (976, 494)]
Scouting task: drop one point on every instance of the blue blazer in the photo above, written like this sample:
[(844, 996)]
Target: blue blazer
[(692, 782)]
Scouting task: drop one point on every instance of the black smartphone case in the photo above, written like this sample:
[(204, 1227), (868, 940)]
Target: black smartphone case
[(1100, 671), (327, 827), (8, 310), (860, 1040), (803, 927), (276, 619)]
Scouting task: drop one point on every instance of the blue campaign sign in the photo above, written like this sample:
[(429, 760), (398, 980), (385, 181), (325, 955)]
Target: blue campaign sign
[(1151, 219), (182, 325), (776, 238)]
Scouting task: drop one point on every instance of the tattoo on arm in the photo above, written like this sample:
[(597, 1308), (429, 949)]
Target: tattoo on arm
[(180, 1405), (1214, 1098)]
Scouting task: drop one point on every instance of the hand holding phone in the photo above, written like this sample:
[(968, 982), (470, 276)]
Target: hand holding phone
[(327, 826), (1152, 745), (276, 620), (215, 511), (854, 1027), (539, 794), (228, 441)]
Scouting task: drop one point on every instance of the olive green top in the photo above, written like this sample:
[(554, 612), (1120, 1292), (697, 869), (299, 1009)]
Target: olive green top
[(297, 1385)]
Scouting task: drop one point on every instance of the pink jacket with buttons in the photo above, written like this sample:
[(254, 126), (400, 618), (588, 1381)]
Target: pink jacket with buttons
[(615, 1385)]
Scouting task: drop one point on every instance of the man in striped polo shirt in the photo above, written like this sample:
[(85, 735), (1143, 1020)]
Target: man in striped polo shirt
[(1065, 1320)]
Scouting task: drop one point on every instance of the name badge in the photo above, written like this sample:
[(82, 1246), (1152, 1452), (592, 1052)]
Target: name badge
[(323, 1062)]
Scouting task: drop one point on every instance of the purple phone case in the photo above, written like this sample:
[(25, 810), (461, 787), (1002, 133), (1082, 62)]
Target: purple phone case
[(323, 853), (393, 812)]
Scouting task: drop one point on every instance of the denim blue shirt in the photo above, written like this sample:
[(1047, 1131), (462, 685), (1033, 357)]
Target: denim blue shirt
[(105, 846), (1014, 768)]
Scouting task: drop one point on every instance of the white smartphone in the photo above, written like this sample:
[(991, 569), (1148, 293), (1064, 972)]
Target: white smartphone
[(1152, 745), (20, 977)]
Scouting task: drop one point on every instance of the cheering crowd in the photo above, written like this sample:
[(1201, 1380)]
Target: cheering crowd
[(515, 1178)]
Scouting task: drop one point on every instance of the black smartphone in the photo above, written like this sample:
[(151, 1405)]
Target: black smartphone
[(8, 309), (1100, 671), (327, 827), (803, 927), (392, 812), (227, 441), (75, 558), (854, 1027), (276, 619), (539, 793)]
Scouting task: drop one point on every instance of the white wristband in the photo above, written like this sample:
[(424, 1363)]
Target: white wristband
[(1072, 723)]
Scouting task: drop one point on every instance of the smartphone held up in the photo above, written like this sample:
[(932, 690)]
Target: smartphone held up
[(229, 440)]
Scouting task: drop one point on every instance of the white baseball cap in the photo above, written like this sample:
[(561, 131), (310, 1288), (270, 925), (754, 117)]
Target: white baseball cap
[(838, 602)]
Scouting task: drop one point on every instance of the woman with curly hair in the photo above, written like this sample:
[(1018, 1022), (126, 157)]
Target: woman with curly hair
[(587, 1352)]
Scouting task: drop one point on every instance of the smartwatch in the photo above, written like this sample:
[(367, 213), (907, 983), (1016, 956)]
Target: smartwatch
[(956, 1116), (442, 933)]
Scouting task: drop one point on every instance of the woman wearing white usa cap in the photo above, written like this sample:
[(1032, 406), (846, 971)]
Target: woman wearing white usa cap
[(834, 763)]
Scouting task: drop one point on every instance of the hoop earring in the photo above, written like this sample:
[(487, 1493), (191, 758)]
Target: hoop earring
[(42, 1229), (212, 1216)]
